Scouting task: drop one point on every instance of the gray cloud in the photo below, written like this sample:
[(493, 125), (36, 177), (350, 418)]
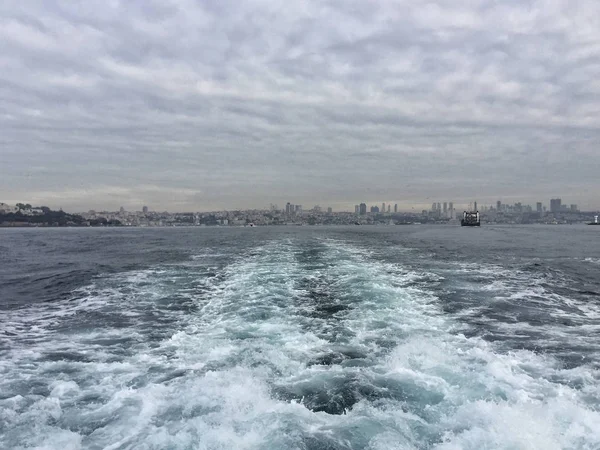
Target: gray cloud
[(189, 105)]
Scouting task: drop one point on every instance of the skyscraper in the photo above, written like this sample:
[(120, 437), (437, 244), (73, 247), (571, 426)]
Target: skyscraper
[(555, 204), (383, 207), (538, 207), (145, 209), (389, 208), (356, 209), (374, 209), (396, 208), (445, 208), (329, 210), (439, 207), (498, 205), (363, 209), (451, 210), (475, 206)]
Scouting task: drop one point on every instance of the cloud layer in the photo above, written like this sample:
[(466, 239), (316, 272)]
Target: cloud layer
[(188, 105)]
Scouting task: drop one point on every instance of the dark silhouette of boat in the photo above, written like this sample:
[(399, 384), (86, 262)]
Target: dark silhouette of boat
[(470, 219)]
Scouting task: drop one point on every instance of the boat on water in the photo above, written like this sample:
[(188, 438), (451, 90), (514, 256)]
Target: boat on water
[(595, 222), (470, 219)]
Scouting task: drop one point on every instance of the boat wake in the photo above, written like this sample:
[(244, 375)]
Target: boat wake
[(314, 345)]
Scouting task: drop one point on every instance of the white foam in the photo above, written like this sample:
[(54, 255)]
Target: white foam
[(231, 374)]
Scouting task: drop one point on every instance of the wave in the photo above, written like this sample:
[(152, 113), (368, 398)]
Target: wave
[(294, 344)]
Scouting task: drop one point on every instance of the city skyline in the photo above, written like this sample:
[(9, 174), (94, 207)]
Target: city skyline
[(390, 206), (444, 207), (25, 214)]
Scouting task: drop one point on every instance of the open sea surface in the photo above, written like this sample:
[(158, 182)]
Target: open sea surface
[(398, 337)]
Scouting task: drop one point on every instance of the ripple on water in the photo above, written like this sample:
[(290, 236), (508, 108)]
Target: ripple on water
[(315, 346)]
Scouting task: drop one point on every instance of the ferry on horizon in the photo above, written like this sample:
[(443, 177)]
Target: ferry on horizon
[(470, 219)]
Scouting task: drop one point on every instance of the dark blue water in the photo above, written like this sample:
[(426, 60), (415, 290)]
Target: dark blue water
[(412, 337)]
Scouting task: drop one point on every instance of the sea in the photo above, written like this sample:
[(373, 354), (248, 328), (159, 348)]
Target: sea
[(364, 337)]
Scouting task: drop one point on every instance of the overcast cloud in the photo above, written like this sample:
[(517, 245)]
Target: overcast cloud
[(218, 104)]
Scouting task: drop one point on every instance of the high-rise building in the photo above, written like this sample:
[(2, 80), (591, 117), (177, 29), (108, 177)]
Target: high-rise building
[(445, 208), (538, 207), (298, 209), (383, 207), (433, 208), (356, 209), (573, 208), (363, 209), (475, 206), (329, 210), (374, 209), (439, 207), (145, 209), (289, 208), (555, 204), (451, 209), (396, 207), (389, 208), (499, 205)]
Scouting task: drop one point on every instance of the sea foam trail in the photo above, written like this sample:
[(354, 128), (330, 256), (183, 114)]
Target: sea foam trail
[(297, 344)]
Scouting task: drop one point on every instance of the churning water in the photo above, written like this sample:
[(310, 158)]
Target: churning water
[(303, 338)]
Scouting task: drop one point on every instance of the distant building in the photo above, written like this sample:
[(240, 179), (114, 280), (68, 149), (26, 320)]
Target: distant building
[(451, 210), (298, 209), (145, 209), (383, 207), (374, 209), (5, 208), (329, 210), (396, 208), (573, 208), (499, 205), (555, 205), (289, 208), (445, 208), (538, 207), (475, 207), (121, 210), (433, 206), (363, 209), (439, 207), (389, 208)]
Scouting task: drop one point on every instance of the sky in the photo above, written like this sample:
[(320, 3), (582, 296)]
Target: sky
[(188, 105)]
